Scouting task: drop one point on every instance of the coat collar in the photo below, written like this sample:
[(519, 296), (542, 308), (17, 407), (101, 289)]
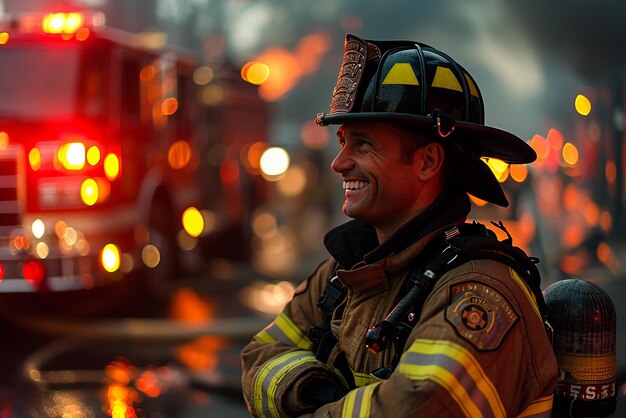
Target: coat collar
[(355, 243)]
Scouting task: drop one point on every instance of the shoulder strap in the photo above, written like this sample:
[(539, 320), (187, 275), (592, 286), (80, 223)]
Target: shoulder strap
[(459, 245), (320, 335)]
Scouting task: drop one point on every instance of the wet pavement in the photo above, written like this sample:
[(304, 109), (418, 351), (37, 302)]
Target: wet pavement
[(170, 356)]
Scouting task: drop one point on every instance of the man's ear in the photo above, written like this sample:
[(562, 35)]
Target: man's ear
[(432, 156)]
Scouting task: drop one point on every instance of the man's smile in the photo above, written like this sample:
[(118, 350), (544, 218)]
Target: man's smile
[(354, 184)]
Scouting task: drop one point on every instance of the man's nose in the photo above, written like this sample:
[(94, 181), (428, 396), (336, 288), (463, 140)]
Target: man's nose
[(342, 162)]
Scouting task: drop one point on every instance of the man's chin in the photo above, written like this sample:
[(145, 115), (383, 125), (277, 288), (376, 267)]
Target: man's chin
[(351, 211)]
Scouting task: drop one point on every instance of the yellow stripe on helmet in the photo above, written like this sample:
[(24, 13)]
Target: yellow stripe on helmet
[(401, 73), (472, 86), (445, 79)]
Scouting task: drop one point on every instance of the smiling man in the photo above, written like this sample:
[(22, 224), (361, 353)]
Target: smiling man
[(386, 184), (415, 313)]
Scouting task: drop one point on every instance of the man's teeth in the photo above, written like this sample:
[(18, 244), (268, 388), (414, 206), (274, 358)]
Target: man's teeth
[(354, 185)]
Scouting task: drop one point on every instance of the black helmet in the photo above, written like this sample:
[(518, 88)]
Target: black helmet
[(416, 84)]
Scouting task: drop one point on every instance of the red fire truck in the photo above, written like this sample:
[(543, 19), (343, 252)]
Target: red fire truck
[(114, 157)]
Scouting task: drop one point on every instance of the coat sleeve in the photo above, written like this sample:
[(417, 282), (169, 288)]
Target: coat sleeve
[(478, 350), (278, 362)]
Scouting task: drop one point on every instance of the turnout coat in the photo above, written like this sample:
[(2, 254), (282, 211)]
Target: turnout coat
[(479, 348)]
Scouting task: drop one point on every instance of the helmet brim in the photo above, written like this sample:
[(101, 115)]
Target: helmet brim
[(483, 141)]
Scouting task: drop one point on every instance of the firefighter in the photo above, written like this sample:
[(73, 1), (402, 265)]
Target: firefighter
[(411, 135)]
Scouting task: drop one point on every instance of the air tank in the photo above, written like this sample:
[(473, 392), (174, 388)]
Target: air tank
[(583, 317)]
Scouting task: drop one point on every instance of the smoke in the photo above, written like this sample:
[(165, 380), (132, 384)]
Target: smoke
[(529, 57), (586, 36)]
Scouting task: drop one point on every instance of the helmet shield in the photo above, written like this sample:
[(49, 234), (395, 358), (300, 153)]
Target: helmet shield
[(416, 84)]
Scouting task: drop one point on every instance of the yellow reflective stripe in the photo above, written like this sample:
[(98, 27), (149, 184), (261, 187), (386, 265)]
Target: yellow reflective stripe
[(436, 355), (284, 330), (541, 408), (358, 402), (290, 329), (264, 337), (269, 376), (348, 404), (362, 379), (448, 381), (531, 298)]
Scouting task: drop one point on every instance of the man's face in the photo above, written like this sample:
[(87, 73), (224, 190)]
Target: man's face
[(379, 188)]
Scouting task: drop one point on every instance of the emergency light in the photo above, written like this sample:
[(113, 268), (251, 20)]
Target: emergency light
[(77, 24)]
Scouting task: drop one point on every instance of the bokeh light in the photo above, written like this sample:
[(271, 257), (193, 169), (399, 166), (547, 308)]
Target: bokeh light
[(93, 155), (38, 228), (110, 258), (582, 105), (89, 192), (255, 72), (264, 224), (540, 145), (179, 154), (34, 159), (111, 166), (555, 139), (274, 162), (518, 172), (294, 182), (193, 222), (203, 75), (151, 256), (314, 136), (570, 154)]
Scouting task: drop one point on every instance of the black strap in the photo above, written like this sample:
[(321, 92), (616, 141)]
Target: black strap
[(321, 336)]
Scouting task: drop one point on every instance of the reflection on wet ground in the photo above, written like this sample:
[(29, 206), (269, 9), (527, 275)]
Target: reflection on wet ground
[(175, 356)]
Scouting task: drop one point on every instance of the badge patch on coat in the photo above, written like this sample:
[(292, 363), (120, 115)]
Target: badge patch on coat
[(480, 314)]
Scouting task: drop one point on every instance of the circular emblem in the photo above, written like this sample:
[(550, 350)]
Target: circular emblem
[(480, 314), (474, 317)]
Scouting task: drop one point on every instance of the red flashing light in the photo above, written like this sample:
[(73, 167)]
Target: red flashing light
[(1, 272), (62, 22), (34, 272), (68, 25)]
